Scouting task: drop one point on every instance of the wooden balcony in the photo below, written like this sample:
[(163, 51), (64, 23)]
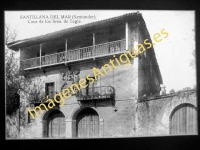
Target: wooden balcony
[(84, 53)]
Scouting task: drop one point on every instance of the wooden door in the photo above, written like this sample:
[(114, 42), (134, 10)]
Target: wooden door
[(87, 124), (56, 124), (183, 120)]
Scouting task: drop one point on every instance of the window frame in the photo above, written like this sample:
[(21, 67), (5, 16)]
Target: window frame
[(46, 89)]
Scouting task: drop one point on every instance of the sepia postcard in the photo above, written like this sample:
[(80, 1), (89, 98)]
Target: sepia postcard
[(100, 74)]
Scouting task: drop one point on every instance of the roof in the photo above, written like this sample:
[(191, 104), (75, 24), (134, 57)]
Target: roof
[(63, 34)]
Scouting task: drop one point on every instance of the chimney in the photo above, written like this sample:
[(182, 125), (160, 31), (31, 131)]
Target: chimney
[(163, 90)]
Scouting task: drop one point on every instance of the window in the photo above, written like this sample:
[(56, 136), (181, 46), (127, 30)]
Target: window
[(30, 119), (49, 90), (93, 88), (90, 87)]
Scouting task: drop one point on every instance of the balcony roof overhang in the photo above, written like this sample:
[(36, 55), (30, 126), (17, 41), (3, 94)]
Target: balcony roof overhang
[(66, 33)]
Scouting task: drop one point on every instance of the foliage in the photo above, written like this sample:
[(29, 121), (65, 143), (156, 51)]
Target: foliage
[(12, 82), (172, 91), (18, 81), (186, 88), (22, 89), (192, 61)]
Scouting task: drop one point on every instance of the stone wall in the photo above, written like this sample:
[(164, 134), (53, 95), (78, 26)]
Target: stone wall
[(154, 113), (148, 82), (12, 126)]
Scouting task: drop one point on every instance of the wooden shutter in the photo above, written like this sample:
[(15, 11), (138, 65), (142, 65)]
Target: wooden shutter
[(45, 128), (87, 124), (184, 120), (56, 124)]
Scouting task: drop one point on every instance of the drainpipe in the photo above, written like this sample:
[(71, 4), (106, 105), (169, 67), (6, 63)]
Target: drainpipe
[(19, 108), (19, 120)]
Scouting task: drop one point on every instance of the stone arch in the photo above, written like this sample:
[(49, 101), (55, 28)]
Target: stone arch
[(180, 106), (171, 106), (182, 119), (45, 116), (46, 120), (75, 111)]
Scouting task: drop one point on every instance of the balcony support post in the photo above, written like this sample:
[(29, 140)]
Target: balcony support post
[(66, 52), (93, 44), (19, 58), (126, 31), (40, 55)]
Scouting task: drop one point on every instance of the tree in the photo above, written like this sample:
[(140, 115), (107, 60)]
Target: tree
[(186, 88), (192, 61), (172, 91), (12, 84), (19, 84)]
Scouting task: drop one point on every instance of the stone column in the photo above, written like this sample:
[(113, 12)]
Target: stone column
[(68, 128), (43, 124), (101, 127)]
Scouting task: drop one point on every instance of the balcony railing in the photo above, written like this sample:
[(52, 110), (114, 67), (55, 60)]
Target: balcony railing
[(30, 63), (75, 55), (102, 92), (41, 97)]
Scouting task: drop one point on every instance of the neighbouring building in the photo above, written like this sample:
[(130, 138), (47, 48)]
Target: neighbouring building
[(125, 102)]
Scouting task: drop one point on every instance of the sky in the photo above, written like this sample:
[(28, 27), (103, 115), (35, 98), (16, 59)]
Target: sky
[(173, 53)]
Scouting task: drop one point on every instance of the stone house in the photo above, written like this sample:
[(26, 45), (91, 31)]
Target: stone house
[(125, 102)]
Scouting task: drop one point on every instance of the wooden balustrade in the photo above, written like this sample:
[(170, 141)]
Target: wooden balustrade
[(53, 58), (30, 63), (77, 54), (80, 53)]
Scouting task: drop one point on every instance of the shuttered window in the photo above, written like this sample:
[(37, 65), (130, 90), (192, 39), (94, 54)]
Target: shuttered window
[(56, 124), (87, 124), (50, 89), (183, 120)]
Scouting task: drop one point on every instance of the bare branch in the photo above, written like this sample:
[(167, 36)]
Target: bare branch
[(10, 34)]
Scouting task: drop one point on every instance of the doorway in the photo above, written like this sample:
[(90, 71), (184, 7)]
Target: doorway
[(56, 124), (87, 123)]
